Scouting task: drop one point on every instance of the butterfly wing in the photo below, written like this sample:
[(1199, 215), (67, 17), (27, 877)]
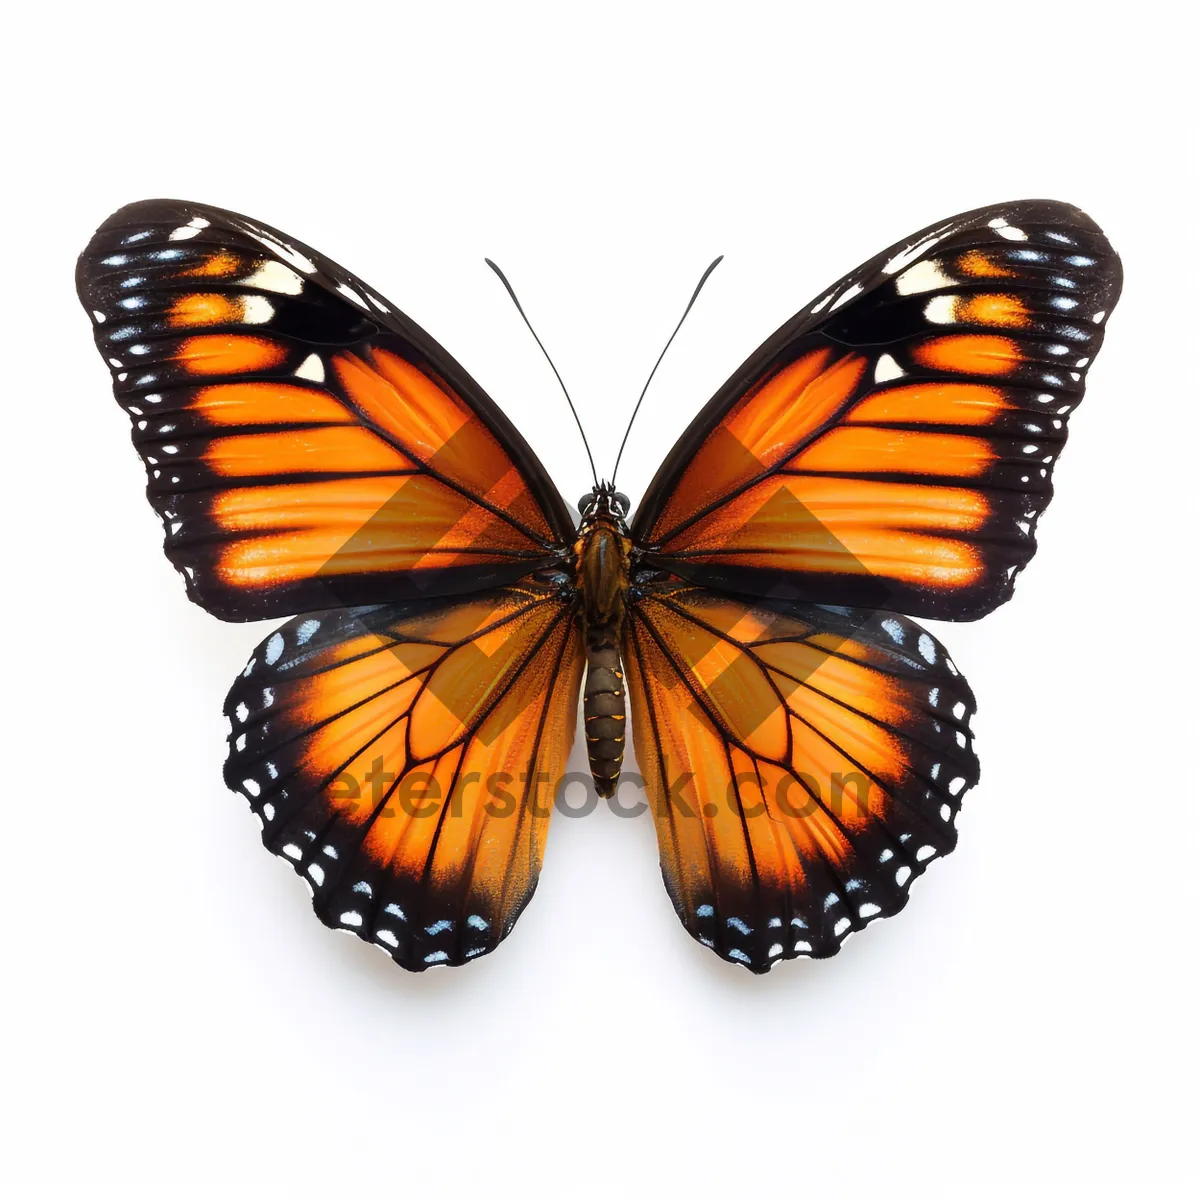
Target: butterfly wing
[(892, 445), (403, 759), (306, 444), (804, 764), (308, 447)]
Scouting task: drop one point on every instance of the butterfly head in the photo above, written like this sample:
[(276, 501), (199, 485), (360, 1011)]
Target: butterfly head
[(604, 501)]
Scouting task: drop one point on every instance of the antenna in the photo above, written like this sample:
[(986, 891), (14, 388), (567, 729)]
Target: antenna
[(712, 266), (508, 286)]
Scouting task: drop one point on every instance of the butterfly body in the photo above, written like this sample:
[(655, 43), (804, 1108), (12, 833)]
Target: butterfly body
[(805, 746), (603, 556)]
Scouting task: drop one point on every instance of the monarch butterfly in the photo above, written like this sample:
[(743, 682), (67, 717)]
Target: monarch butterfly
[(806, 746)]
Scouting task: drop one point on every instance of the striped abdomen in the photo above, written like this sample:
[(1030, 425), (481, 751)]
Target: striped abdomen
[(603, 579), (604, 707)]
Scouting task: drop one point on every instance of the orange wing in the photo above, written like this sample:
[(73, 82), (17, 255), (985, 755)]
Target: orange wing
[(403, 758), (804, 764), (892, 445), (307, 445)]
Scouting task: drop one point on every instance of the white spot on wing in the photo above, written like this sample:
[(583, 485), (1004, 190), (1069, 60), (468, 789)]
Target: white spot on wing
[(1005, 230), (274, 649), (313, 367), (350, 294), (289, 254), (257, 310), (273, 276), (846, 296), (923, 277), (887, 368), (928, 649), (899, 261), (940, 310)]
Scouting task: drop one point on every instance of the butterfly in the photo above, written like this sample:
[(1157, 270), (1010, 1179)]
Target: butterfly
[(805, 744)]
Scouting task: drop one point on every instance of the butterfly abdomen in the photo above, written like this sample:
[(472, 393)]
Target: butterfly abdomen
[(604, 708), (603, 579)]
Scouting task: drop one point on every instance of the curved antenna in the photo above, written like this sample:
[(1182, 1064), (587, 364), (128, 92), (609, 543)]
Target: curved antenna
[(712, 266), (508, 286)]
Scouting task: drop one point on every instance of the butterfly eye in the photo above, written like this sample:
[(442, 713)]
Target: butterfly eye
[(622, 502), (586, 502)]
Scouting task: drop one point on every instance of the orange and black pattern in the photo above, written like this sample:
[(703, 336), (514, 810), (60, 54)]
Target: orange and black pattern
[(803, 764), (306, 444), (404, 758), (805, 748), (893, 444)]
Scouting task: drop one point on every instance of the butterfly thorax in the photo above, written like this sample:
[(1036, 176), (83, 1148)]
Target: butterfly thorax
[(602, 579)]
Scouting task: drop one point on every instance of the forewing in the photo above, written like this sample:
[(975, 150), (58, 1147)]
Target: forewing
[(892, 445), (306, 444), (804, 764), (403, 759)]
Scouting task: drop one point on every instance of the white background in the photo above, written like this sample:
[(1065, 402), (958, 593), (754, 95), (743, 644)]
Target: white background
[(177, 1021)]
